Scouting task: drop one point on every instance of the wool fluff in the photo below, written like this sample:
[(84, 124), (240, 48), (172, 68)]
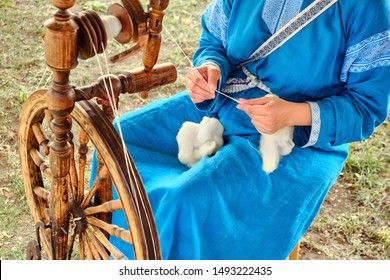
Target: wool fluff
[(196, 140), (274, 146)]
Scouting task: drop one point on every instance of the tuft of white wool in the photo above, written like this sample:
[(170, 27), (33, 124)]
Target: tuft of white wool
[(197, 140), (274, 146)]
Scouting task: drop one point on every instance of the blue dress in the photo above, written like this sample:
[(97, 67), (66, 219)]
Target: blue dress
[(226, 207)]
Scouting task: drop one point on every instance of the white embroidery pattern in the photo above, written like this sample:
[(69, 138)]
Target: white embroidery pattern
[(216, 21), (290, 10), (276, 13), (271, 12), (234, 85), (275, 41), (315, 124), (366, 55)]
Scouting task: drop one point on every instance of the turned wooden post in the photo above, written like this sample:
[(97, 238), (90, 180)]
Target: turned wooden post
[(152, 47), (61, 57)]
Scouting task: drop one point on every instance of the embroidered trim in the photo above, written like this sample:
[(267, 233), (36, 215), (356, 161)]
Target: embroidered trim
[(234, 85), (279, 10), (315, 124), (270, 10), (290, 10), (216, 21), (366, 55), (290, 29)]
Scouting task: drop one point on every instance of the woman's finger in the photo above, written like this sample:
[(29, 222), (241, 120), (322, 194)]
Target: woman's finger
[(254, 110)]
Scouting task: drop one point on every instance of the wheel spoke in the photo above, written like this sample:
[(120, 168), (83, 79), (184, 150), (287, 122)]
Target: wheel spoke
[(39, 161), (48, 117), (88, 249), (42, 193), (116, 254), (82, 246), (106, 207), (97, 184), (72, 168), (104, 192), (46, 242), (40, 135), (94, 254), (95, 242), (71, 241), (83, 150), (111, 229)]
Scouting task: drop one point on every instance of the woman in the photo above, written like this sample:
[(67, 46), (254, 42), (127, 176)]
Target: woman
[(332, 78)]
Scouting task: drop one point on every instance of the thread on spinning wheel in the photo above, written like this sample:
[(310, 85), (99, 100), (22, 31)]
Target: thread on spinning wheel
[(111, 98), (95, 31), (119, 19), (113, 26), (91, 33), (98, 31)]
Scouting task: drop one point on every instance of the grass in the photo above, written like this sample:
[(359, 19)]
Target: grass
[(15, 224), (354, 222), (356, 213)]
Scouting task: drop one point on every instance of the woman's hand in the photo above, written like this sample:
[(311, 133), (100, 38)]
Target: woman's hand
[(269, 114), (201, 82)]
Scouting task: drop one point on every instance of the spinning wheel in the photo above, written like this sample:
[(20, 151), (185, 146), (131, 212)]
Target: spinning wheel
[(83, 219), (59, 128)]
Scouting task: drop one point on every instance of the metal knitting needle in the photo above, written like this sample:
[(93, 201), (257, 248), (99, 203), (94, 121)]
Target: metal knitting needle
[(190, 62)]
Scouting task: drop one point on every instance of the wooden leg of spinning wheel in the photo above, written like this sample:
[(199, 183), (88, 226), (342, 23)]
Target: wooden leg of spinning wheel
[(294, 255), (61, 56)]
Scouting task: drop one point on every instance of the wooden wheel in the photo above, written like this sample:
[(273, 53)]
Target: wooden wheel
[(90, 208)]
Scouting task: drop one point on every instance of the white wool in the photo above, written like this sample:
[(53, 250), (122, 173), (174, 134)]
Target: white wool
[(274, 146), (196, 140)]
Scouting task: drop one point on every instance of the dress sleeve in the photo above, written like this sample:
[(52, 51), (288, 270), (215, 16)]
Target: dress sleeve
[(353, 114), (213, 43)]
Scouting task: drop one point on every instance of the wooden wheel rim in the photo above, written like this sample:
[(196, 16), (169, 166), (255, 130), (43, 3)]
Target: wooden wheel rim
[(34, 109)]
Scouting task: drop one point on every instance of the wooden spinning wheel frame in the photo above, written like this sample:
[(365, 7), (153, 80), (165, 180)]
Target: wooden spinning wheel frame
[(59, 127)]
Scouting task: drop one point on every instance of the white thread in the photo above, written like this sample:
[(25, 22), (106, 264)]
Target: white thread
[(48, 79), (43, 75), (126, 154), (112, 25), (111, 99), (191, 65)]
